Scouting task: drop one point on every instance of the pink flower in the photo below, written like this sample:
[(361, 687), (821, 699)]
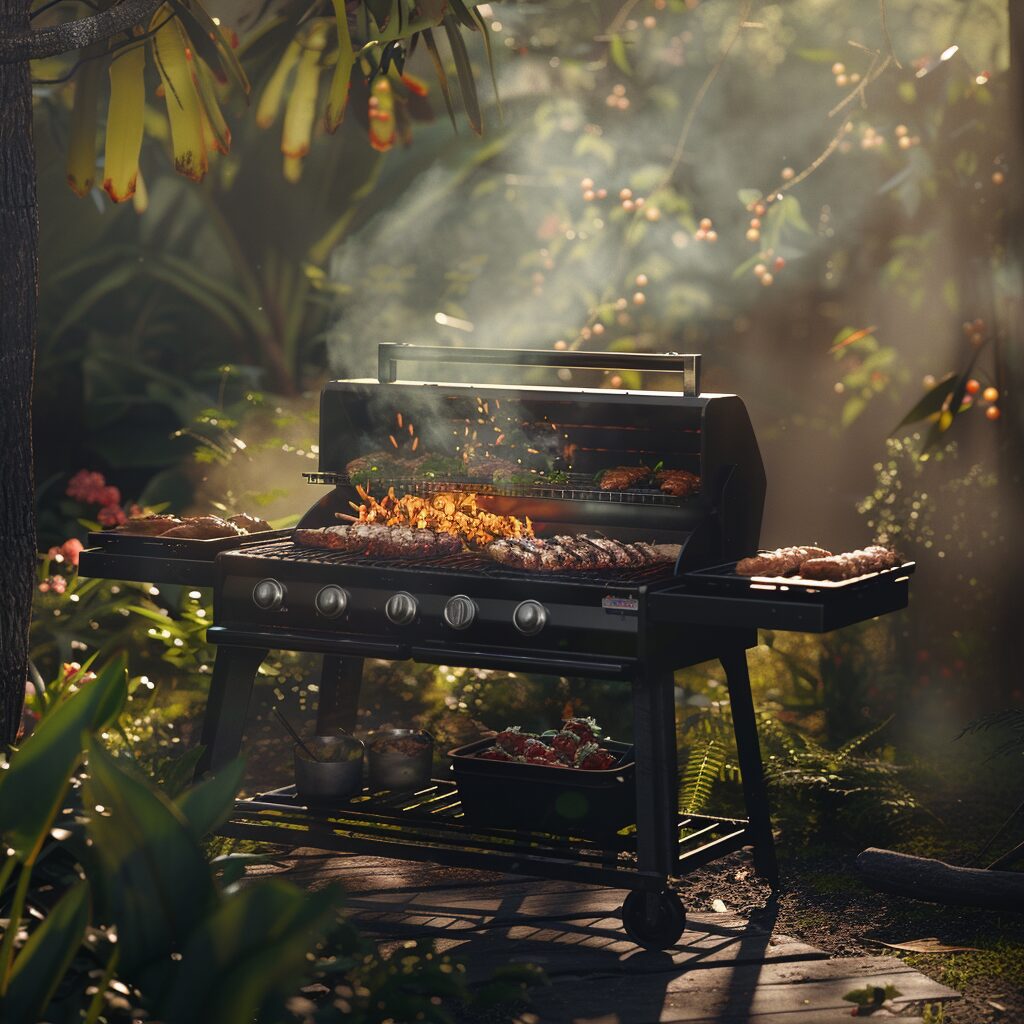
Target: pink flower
[(71, 549), (109, 496), (111, 515), (71, 669), (86, 486), (58, 584)]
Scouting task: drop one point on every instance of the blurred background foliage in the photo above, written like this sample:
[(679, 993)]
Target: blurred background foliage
[(813, 198)]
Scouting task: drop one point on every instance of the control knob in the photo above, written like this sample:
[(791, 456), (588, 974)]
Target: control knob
[(401, 608), (268, 594), (530, 617), (460, 612), (331, 601)]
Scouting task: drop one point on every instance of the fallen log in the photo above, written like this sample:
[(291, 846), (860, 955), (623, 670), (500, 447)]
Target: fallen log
[(934, 881)]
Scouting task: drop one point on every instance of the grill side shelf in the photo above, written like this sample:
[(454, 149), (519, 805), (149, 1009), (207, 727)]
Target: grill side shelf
[(719, 597)]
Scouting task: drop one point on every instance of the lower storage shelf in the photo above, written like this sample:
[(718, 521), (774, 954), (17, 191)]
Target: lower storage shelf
[(429, 825)]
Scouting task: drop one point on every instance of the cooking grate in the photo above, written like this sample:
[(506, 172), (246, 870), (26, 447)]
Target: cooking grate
[(467, 562), (576, 487)]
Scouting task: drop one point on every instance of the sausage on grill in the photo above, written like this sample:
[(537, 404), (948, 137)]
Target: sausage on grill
[(678, 482), (575, 553), (850, 564), (780, 562)]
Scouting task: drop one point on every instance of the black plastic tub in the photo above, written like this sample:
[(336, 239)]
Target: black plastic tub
[(546, 798), (116, 543)]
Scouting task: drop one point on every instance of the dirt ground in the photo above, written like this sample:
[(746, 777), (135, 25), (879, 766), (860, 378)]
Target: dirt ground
[(823, 903)]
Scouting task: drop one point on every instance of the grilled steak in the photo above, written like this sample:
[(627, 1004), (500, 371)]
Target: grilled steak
[(577, 553), (849, 564), (204, 528), (379, 541), (251, 524), (149, 526), (780, 562)]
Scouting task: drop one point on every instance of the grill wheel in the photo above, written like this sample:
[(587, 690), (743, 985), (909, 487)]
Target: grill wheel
[(654, 920)]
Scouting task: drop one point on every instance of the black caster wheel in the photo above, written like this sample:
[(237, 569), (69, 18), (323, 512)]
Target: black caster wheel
[(654, 920)]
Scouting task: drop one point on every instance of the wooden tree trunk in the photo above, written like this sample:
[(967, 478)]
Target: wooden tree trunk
[(18, 286)]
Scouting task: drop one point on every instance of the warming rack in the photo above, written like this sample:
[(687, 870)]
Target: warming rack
[(577, 487)]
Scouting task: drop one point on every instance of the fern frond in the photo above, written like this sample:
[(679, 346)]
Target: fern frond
[(704, 766), (859, 741)]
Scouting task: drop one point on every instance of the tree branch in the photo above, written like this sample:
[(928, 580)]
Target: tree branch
[(76, 34)]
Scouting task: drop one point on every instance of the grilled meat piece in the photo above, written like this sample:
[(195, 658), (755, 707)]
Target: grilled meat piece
[(379, 541), (204, 528), (577, 553), (375, 464), (849, 564), (149, 526), (780, 562), (251, 524), (621, 478), (677, 482)]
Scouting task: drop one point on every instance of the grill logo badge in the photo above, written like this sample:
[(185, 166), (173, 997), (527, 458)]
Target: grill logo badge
[(620, 604)]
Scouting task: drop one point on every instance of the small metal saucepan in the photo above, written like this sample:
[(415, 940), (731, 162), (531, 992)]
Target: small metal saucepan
[(399, 758), (337, 775)]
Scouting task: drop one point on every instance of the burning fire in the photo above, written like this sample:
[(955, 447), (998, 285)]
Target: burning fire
[(447, 512)]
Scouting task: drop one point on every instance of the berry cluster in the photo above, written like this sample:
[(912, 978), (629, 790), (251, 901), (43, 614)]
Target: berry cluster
[(55, 584), (575, 746), (843, 77), (706, 231)]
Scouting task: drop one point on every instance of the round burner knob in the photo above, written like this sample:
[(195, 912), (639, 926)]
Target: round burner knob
[(460, 612), (401, 608), (332, 601), (268, 594), (530, 617)]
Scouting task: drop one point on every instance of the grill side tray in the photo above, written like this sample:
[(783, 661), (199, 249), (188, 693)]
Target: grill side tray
[(718, 597)]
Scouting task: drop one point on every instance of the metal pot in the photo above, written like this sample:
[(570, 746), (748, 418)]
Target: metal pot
[(337, 776), (393, 769)]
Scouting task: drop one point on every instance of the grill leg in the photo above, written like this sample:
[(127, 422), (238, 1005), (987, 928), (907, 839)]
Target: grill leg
[(657, 783), (748, 747), (340, 681), (224, 720)]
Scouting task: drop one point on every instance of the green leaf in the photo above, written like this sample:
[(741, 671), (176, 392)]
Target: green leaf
[(115, 281), (176, 774), (228, 58), (33, 787), (208, 804), (930, 404), (153, 881), (231, 866), (465, 73), (617, 52), (485, 33), (337, 96), (42, 962), (442, 78), (462, 15), (253, 945)]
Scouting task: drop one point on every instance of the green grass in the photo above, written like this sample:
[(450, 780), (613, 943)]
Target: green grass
[(1003, 961)]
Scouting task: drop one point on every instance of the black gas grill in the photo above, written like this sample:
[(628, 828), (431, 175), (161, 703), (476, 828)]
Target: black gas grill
[(549, 446)]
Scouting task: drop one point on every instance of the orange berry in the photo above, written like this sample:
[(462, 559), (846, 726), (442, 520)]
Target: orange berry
[(588, 196), (998, 177), (711, 236), (628, 205), (990, 394), (767, 279), (626, 193), (788, 174), (753, 235), (992, 412), (639, 298), (587, 183), (760, 209), (598, 328), (760, 269), (641, 280), (705, 223), (755, 222), (779, 263), (972, 387)]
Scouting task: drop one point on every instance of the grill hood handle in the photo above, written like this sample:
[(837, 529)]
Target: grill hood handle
[(389, 354)]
